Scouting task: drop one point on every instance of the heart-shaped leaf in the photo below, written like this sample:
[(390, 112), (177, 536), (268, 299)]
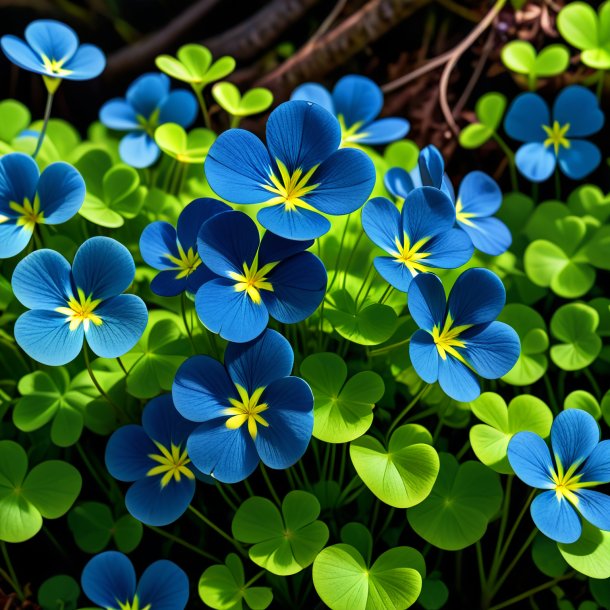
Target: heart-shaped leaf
[(345, 582), (223, 587), (585, 401), (463, 500), (589, 199), (229, 98), (520, 56), (14, 118), (547, 557), (574, 325), (490, 440), (193, 147), (590, 554), (403, 474), (343, 411), (59, 592), (489, 110), (283, 543)]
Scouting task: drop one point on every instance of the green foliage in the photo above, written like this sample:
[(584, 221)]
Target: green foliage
[(193, 147), (547, 557), (489, 110), (59, 592), (14, 118), (520, 57), (590, 554), (229, 98)]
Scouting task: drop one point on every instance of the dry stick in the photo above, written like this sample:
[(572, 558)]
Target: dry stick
[(325, 25)]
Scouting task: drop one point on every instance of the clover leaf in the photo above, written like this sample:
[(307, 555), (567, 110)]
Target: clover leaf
[(93, 526), (590, 554), (61, 142), (14, 118), (547, 557), (223, 587), (403, 153), (59, 592), (463, 500), (114, 192), (520, 57), (403, 474), (531, 328), (588, 199), (193, 147), (283, 543), (344, 581), (343, 409), (489, 110), (490, 439), (588, 31), (48, 491), (194, 65), (229, 98), (585, 401), (574, 325), (434, 593)]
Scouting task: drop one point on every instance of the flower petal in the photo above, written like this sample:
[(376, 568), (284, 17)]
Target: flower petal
[(536, 161), (274, 248), (457, 380), (596, 468), (237, 166), (13, 239), (52, 38), (124, 319), (398, 182), (139, 150), (158, 240), (21, 54), (431, 166), (118, 114), (202, 389), (88, 62), (301, 135), (525, 118), (580, 159), (594, 506), (147, 93), (530, 458), (127, 453), (479, 194), (298, 224), (492, 349), (46, 337), (256, 364), (109, 577), (61, 190), (228, 455), (163, 423), (312, 92), (18, 180), (394, 272), (382, 224), (103, 267), (574, 436), (179, 107), (168, 284), (194, 215), (477, 297), (424, 356), (488, 235), (448, 250), (556, 518), (384, 131), (290, 419), (163, 586), (427, 302), (579, 107), (427, 212), (345, 181), (358, 99), (299, 284)]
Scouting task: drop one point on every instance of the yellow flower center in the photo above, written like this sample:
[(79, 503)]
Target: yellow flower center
[(246, 409), (463, 217), (29, 213), (253, 280), (186, 262), (134, 605), (55, 66), (556, 136), (150, 124), (290, 188), (446, 339), (350, 135), (410, 255), (80, 311), (172, 464)]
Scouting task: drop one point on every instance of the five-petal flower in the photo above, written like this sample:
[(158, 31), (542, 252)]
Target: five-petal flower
[(248, 410), (580, 462)]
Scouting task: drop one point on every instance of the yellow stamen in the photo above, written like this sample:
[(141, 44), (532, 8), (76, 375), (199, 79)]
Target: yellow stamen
[(30, 213), (246, 409), (410, 255), (446, 340), (556, 136), (55, 66), (185, 263), (290, 188), (352, 134), (253, 280), (172, 464), (463, 217), (81, 311), (134, 605)]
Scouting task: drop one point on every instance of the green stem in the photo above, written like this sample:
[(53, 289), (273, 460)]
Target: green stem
[(386, 294), (11, 571), (350, 486), (557, 184), (526, 594), (503, 521), (510, 157), (388, 348), (213, 526), (351, 257), (402, 414), (225, 497), (593, 382), (235, 120), (550, 394), (43, 131), (366, 279), (168, 174), (183, 543), (92, 470), (123, 368), (254, 579), (187, 326), (460, 454), (204, 109), (270, 484), (514, 562), (342, 464), (338, 259)]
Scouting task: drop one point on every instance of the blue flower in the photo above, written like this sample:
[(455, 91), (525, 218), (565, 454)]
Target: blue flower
[(153, 457), (250, 409), (301, 174), (479, 197), (254, 279), (52, 49), (555, 138), (580, 462), (459, 337), (174, 252), (109, 581), (421, 238), (85, 302), (356, 101), (28, 198), (147, 104)]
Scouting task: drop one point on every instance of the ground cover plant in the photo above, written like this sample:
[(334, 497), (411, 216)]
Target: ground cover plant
[(259, 349)]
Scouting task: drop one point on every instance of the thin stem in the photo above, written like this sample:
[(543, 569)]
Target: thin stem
[(593, 382), (366, 279), (551, 393), (342, 464), (350, 258), (515, 561), (43, 131), (388, 348), (460, 454), (124, 369), (526, 594), (481, 565), (183, 543), (557, 184), (204, 109), (91, 469), (338, 259), (350, 486), (11, 571), (270, 484), (187, 326), (510, 157), (504, 520), (212, 525), (254, 579), (386, 294), (402, 414), (235, 120), (225, 497)]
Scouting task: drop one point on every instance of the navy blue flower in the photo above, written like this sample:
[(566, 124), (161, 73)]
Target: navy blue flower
[(109, 581), (29, 198), (254, 279), (68, 306), (555, 138), (174, 251), (153, 457), (147, 104), (53, 50), (250, 409), (300, 174), (356, 101), (459, 337)]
